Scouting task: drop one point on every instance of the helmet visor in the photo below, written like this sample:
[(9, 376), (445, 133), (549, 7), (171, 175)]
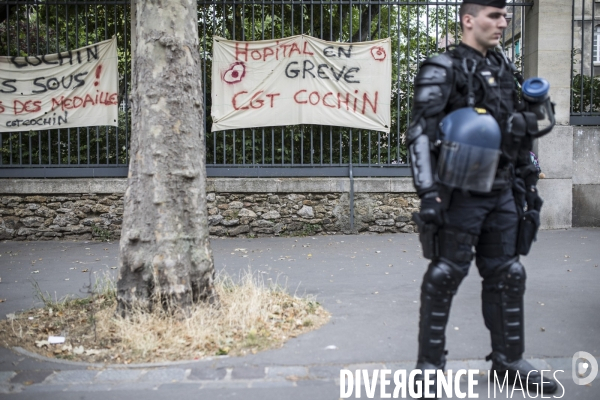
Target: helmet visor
[(467, 167)]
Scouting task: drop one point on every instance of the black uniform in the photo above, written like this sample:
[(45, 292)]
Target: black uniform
[(463, 220)]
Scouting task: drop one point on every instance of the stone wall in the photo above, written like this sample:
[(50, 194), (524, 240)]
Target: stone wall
[(93, 216), (268, 214), (74, 216)]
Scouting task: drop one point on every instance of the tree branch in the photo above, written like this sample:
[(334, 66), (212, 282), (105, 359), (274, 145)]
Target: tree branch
[(365, 23)]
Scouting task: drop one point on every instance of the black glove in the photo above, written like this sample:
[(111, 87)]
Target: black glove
[(432, 209), (533, 199)]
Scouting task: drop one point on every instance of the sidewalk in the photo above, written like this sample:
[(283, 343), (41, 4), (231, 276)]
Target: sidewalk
[(369, 283)]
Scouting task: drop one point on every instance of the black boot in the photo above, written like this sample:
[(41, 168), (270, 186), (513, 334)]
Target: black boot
[(502, 303), (439, 286), (502, 366)]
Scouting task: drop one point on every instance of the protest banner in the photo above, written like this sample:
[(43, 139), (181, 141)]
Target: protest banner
[(301, 80), (64, 90)]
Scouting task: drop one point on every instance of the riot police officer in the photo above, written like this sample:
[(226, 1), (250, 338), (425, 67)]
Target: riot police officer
[(469, 141)]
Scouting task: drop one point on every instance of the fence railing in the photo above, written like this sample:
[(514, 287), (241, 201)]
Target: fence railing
[(585, 57), (417, 30)]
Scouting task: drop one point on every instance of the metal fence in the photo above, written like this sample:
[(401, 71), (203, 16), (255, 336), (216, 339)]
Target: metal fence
[(585, 57), (417, 30)]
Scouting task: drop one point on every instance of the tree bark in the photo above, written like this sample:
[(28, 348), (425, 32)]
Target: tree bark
[(165, 256)]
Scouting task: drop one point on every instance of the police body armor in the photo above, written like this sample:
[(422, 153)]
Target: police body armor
[(463, 80)]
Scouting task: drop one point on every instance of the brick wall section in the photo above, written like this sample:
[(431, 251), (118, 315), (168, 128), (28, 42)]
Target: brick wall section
[(99, 216)]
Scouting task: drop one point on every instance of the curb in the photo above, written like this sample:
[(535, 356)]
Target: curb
[(28, 353)]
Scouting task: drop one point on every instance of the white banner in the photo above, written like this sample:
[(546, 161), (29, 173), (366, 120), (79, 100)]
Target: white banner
[(65, 90), (301, 80)]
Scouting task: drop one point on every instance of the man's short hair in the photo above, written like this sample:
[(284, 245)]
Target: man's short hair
[(470, 9)]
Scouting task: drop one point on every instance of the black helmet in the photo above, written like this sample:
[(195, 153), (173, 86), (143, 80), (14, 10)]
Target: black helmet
[(470, 149)]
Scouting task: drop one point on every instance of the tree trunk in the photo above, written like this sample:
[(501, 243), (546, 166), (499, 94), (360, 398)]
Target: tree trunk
[(165, 256)]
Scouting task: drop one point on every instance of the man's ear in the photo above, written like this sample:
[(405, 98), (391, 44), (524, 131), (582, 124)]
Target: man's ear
[(467, 21)]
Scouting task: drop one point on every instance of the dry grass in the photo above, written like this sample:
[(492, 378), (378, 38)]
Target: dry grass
[(253, 316)]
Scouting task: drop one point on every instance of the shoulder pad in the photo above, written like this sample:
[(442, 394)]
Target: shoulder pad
[(435, 70), (433, 85), (443, 60)]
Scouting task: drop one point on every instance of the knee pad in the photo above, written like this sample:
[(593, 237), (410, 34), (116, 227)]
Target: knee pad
[(510, 278), (442, 278)]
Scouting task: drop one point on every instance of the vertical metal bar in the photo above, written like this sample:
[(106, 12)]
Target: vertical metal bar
[(312, 148), (582, 54), (427, 22), (378, 147), (593, 22), (408, 36), (77, 26), (398, 89), (87, 40), (572, 52), (359, 147), (370, 150), (243, 146), (330, 145), (301, 128), (321, 147)]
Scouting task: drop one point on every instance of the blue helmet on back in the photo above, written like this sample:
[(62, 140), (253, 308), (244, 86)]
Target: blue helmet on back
[(470, 149)]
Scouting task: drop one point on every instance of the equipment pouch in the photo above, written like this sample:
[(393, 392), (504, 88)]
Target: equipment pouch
[(427, 236), (528, 227)]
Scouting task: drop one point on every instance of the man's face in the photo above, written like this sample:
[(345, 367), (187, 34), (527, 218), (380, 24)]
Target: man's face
[(486, 28)]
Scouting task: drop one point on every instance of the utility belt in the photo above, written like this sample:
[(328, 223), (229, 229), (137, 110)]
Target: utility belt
[(457, 246)]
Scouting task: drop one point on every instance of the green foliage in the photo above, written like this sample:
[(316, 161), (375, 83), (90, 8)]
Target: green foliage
[(586, 94), (101, 233)]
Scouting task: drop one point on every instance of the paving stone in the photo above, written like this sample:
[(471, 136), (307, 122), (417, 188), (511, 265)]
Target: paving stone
[(166, 375), (30, 377), (224, 385), (481, 365), (76, 376), (207, 374), (407, 366), (248, 373), (566, 364), (539, 363), (282, 372), (456, 365), (324, 372), (90, 387), (41, 387), (368, 367), (119, 375), (272, 384), (6, 376), (100, 387)]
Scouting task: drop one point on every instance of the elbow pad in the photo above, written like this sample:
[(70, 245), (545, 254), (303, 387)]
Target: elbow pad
[(421, 165)]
